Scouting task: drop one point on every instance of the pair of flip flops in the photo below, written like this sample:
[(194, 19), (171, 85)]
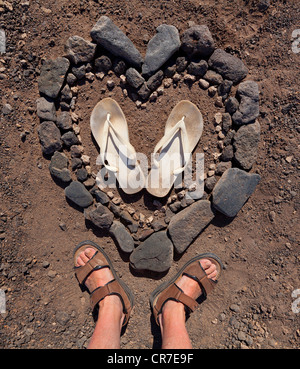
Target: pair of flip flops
[(171, 154), (166, 291)]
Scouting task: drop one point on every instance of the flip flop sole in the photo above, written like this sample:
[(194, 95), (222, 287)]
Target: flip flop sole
[(130, 180), (100, 111), (160, 180), (193, 115)]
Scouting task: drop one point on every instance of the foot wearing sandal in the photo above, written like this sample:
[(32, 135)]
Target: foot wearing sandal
[(173, 298), (95, 271), (191, 288), (99, 278)]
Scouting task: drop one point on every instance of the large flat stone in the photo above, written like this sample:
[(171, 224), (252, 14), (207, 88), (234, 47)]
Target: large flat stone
[(233, 190), (52, 76), (78, 50), (160, 48), (248, 109), (100, 216), (229, 66), (246, 142), (106, 34), (154, 254), (122, 236), (186, 225)]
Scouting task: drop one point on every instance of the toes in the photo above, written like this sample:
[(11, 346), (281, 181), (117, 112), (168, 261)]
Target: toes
[(213, 275), (85, 256), (210, 268), (79, 262), (205, 263), (89, 252)]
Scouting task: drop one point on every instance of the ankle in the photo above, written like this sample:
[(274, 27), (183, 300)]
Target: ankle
[(173, 311), (112, 307)]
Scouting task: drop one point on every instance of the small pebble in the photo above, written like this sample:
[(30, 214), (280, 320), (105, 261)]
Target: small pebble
[(110, 84), (272, 215), (235, 308), (63, 226), (7, 109), (203, 84), (51, 274), (45, 264), (212, 91)]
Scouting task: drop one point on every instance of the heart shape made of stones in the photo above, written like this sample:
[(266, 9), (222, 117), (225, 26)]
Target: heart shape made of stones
[(171, 59)]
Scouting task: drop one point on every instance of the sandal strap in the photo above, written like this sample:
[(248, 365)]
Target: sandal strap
[(196, 272), (180, 296), (174, 293), (95, 263), (113, 287)]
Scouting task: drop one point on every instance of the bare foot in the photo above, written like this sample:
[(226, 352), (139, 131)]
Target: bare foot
[(99, 278)]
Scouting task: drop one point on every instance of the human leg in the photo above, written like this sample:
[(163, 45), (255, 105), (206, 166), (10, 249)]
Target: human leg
[(169, 301), (94, 270)]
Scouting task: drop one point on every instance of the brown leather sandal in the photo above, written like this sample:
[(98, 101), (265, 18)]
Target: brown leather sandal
[(114, 287), (170, 291)]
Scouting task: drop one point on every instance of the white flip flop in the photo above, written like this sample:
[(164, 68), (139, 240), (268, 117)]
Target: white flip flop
[(174, 151), (110, 130)]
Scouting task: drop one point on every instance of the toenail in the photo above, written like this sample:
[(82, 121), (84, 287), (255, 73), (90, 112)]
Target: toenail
[(88, 252)]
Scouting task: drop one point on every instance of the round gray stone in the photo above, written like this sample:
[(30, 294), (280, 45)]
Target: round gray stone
[(229, 66), (154, 254), (78, 194), (197, 40), (100, 216), (50, 137)]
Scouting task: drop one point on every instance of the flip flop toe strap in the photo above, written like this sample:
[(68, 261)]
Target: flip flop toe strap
[(179, 126), (124, 146)]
